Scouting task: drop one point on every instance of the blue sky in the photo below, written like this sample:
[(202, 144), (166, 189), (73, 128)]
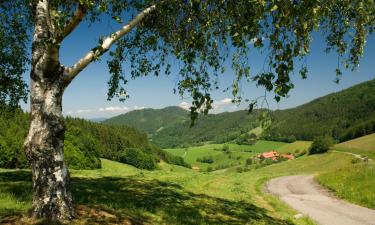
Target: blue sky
[(86, 96)]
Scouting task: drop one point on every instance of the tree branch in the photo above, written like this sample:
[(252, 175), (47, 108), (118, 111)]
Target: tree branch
[(73, 23), (73, 71)]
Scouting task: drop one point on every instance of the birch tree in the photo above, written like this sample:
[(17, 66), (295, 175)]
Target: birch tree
[(202, 36)]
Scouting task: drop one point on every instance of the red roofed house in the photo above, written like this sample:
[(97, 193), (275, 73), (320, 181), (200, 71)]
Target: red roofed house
[(269, 155), (275, 155)]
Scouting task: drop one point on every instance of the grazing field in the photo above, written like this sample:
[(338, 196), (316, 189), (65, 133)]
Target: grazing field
[(364, 146), (121, 194), (295, 146), (234, 156), (366, 143)]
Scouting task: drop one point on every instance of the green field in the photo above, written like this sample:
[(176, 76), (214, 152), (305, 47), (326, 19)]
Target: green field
[(237, 153), (355, 182), (295, 146), (119, 193), (364, 146)]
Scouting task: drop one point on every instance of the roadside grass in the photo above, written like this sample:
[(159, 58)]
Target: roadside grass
[(354, 183)]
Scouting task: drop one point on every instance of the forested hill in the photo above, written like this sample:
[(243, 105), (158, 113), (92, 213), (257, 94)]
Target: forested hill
[(343, 115), (85, 142), (151, 120), (170, 127)]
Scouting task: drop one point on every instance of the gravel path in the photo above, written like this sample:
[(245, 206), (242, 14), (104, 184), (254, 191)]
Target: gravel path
[(307, 197)]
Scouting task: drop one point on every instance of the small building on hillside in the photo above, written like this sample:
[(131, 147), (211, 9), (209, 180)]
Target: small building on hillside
[(275, 156), (269, 155)]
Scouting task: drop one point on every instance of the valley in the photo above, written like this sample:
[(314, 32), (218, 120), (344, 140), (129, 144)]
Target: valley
[(130, 169), (121, 194)]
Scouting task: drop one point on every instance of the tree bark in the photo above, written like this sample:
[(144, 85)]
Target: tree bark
[(44, 148), (44, 145)]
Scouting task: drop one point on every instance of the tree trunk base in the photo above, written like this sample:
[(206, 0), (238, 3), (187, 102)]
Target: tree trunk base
[(52, 199)]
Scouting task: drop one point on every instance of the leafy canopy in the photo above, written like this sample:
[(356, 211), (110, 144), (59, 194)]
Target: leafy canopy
[(199, 36)]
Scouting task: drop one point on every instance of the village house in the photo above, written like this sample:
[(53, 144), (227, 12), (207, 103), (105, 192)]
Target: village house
[(275, 155)]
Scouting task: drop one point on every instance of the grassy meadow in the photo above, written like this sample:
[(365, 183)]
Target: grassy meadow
[(364, 146), (236, 155), (121, 194), (354, 182)]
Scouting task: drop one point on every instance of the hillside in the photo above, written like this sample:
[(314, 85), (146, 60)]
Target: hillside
[(343, 115), (364, 146), (151, 120), (170, 127), (85, 142)]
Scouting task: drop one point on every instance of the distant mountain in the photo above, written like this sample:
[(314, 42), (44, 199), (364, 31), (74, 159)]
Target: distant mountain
[(170, 126), (151, 120), (343, 115)]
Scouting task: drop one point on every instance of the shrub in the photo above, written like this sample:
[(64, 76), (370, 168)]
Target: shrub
[(291, 139), (225, 148), (239, 170), (206, 159), (249, 161), (175, 160), (321, 144), (209, 169), (138, 158)]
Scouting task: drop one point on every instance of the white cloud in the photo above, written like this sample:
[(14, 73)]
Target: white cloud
[(226, 101), (101, 112), (81, 111), (113, 109), (184, 105), (138, 107), (218, 106)]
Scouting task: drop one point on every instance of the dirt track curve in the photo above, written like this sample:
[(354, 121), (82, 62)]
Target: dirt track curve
[(307, 197)]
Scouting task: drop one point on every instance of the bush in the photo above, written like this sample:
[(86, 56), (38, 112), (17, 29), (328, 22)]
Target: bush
[(138, 158), (176, 160), (321, 144), (206, 159), (225, 148), (246, 139), (249, 162), (291, 139)]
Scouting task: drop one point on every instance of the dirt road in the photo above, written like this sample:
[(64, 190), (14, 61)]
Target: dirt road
[(307, 197)]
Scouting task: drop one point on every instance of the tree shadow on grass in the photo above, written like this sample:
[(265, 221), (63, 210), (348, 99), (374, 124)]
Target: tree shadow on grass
[(135, 200), (172, 204)]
